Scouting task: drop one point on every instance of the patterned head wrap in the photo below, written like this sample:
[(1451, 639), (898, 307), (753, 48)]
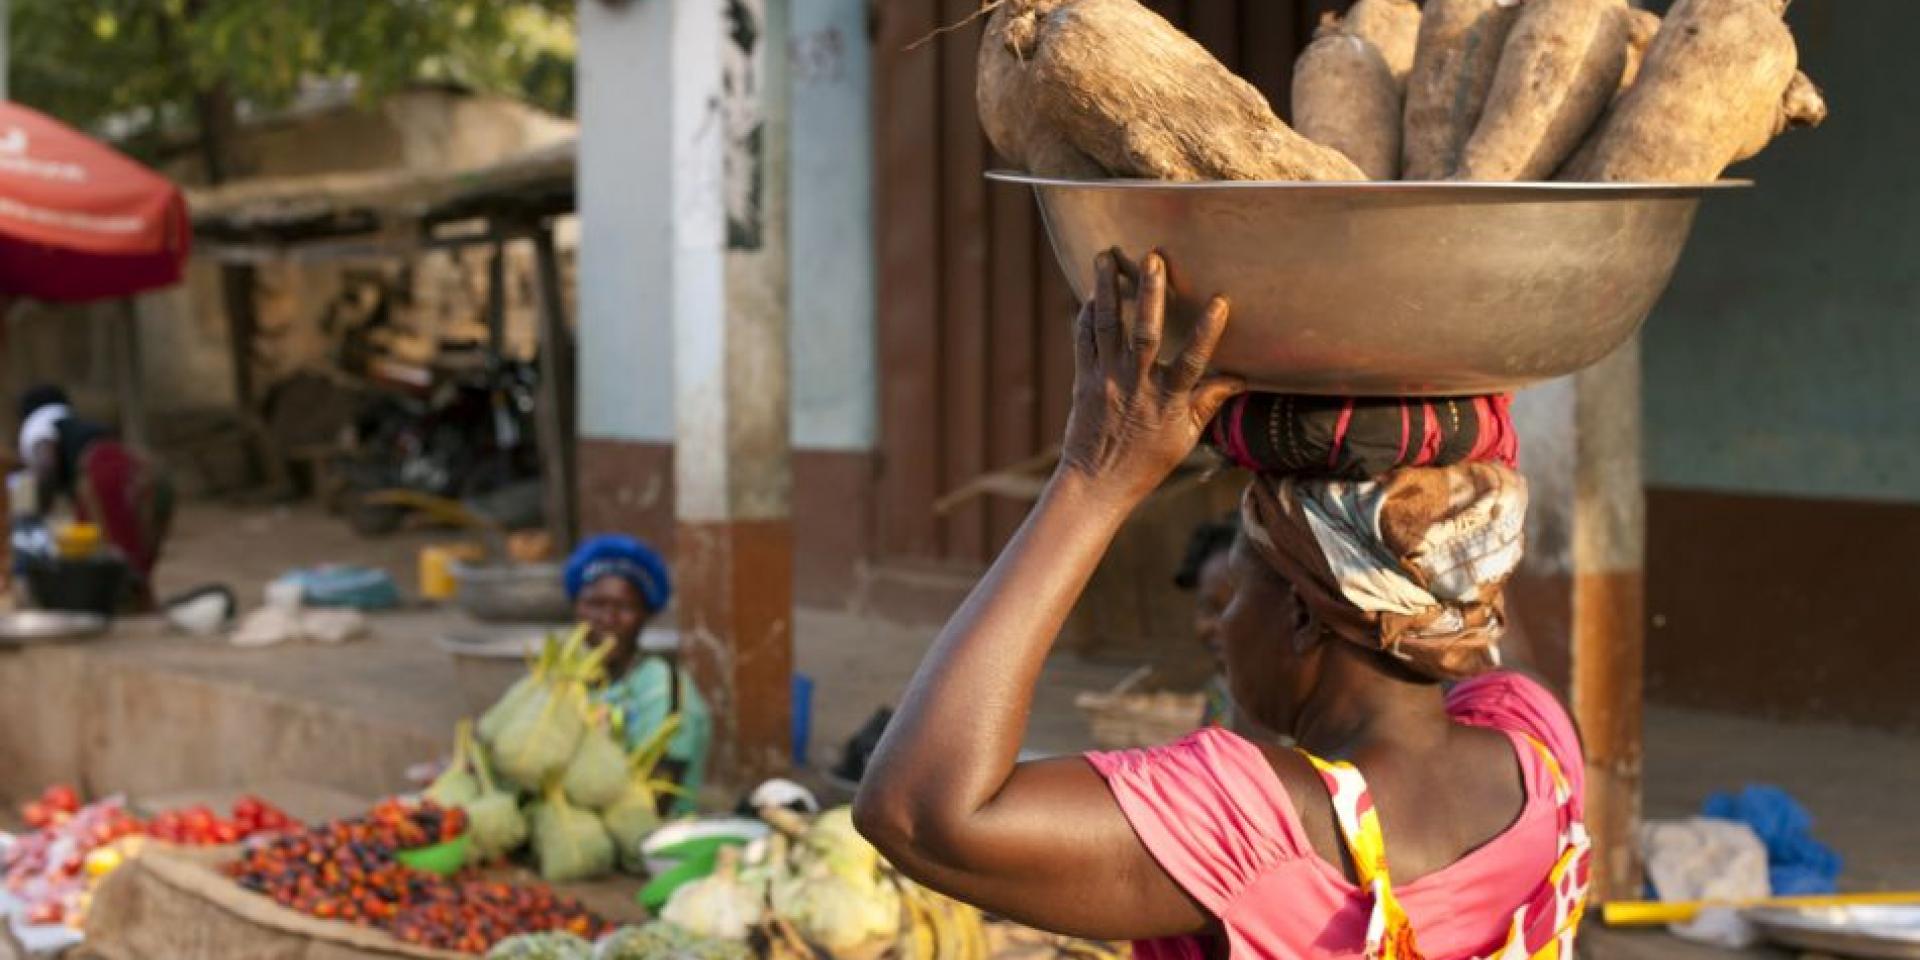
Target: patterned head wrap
[(1411, 563), (615, 555)]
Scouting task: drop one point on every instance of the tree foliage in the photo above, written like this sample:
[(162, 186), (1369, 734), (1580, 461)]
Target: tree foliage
[(150, 64)]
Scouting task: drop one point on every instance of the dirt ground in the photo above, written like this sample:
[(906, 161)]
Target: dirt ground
[(1859, 784)]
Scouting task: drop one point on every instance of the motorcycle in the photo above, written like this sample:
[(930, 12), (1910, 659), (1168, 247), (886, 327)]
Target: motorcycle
[(446, 434)]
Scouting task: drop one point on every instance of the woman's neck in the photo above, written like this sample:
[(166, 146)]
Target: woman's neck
[(1357, 703), (622, 660)]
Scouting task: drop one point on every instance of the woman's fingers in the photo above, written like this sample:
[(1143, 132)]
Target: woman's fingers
[(1150, 320), (1106, 307), (1212, 394), (1086, 356), (1191, 365)]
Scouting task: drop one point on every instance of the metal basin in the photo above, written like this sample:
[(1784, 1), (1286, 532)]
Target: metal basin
[(1413, 289), (29, 627), (1884, 932)]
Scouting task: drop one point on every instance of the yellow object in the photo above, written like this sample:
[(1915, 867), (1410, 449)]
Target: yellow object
[(440, 510), (103, 861), (530, 546), (1650, 913), (436, 567), (76, 541)]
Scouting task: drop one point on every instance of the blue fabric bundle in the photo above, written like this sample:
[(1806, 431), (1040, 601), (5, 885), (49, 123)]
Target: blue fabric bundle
[(1797, 864)]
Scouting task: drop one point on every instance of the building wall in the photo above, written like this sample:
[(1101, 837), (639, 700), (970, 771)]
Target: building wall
[(1782, 413), (628, 192), (627, 199)]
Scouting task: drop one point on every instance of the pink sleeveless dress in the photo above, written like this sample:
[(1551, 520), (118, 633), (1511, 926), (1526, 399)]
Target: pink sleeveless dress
[(1211, 810)]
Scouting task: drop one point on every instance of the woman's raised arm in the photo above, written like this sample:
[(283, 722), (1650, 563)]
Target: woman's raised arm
[(1045, 843)]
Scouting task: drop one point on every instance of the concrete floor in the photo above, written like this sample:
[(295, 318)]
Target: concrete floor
[(1859, 784)]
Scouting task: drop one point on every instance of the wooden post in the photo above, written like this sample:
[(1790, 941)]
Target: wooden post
[(555, 416), (128, 388), (496, 293), (1580, 600), (236, 294), (733, 472)]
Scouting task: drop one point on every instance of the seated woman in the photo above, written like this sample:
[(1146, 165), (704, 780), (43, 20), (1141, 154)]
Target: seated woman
[(617, 584), (109, 483), (1412, 820)]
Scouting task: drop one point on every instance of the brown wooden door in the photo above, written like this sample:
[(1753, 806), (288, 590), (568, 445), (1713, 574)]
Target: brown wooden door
[(975, 362)]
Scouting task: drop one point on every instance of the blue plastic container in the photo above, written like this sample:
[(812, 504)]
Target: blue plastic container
[(802, 717)]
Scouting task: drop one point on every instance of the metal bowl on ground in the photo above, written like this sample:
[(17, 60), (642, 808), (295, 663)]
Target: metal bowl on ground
[(1883, 932), (1385, 288), (511, 592), (29, 627)]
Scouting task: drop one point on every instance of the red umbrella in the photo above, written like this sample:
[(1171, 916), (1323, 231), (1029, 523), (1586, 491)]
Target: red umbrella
[(78, 219)]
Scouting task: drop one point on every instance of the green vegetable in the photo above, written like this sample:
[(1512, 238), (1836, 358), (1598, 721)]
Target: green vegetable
[(570, 843), (542, 946)]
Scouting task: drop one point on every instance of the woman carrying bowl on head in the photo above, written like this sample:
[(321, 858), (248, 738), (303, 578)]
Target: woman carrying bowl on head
[(1363, 625), (617, 584)]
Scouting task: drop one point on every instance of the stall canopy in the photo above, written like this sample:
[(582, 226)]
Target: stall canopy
[(78, 219)]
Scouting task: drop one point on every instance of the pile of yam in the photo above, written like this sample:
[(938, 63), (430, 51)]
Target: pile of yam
[(1482, 90)]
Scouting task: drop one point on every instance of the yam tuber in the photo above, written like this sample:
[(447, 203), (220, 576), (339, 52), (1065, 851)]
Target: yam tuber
[(1124, 87), (1344, 97), (1392, 26), (1014, 127), (1453, 70), (1642, 27), (1718, 83), (1560, 69)]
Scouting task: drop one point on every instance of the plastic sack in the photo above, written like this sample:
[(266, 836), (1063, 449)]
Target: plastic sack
[(597, 774), (570, 843), (497, 825), (541, 946), (457, 785), (1707, 859)]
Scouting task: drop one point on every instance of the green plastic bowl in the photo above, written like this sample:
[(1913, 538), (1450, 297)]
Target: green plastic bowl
[(442, 859), (660, 889)]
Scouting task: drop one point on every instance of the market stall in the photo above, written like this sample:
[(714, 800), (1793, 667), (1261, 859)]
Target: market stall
[(81, 222), (544, 836), (396, 215)]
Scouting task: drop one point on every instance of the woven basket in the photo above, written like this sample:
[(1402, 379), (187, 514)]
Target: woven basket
[(1123, 719)]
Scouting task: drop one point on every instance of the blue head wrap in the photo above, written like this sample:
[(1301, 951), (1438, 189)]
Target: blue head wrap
[(616, 555)]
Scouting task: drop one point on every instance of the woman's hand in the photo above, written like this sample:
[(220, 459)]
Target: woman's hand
[(1134, 418)]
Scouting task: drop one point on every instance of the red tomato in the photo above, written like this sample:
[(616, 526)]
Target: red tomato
[(45, 913), (224, 833), (37, 815), (61, 797)]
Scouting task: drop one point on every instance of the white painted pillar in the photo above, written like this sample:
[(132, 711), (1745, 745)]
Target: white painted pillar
[(684, 266), (733, 473)]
